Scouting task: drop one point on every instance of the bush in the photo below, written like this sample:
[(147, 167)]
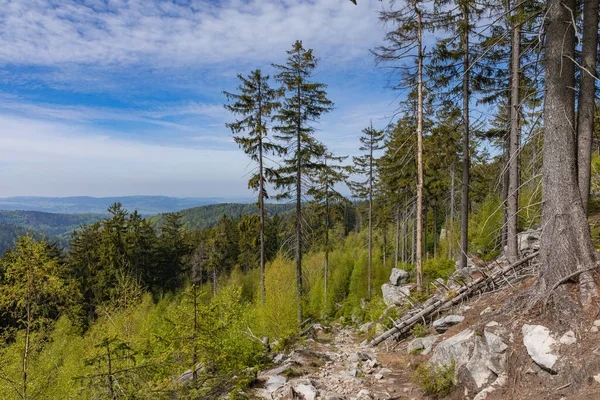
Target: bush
[(438, 267), (420, 331), (436, 380)]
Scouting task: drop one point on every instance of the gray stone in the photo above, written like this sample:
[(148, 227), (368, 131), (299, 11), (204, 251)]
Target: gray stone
[(540, 346), (568, 338), (443, 324), (395, 295), (364, 395), (479, 358), (529, 240), (366, 327), (398, 276), (425, 344), (274, 383), (306, 390), (355, 357), (597, 323)]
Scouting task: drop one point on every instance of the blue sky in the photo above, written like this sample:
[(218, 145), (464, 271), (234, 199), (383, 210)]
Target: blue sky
[(124, 97)]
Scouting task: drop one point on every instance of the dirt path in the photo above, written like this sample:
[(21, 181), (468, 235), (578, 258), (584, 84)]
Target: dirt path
[(334, 366)]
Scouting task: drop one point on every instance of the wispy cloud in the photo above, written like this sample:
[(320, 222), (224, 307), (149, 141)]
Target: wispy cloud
[(178, 34)]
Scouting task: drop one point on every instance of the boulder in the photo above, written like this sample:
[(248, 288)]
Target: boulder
[(306, 390), (480, 359), (529, 240), (274, 383), (395, 295), (425, 344), (443, 324), (541, 346), (398, 276)]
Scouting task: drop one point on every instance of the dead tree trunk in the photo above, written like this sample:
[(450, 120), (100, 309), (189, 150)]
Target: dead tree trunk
[(466, 162), (512, 208), (566, 244), (419, 221)]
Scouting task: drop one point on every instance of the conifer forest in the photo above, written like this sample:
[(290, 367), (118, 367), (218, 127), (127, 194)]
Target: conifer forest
[(475, 203)]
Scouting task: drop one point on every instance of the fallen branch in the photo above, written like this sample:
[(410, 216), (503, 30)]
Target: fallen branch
[(435, 305)]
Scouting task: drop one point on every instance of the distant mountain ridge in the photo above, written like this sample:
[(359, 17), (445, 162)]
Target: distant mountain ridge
[(145, 205), (209, 215)]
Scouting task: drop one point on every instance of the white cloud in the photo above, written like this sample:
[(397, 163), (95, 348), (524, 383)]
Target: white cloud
[(160, 33), (48, 158)]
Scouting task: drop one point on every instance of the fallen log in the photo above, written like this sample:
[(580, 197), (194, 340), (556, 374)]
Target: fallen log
[(429, 308)]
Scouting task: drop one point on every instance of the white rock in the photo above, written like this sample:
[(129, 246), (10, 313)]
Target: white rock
[(398, 276), (491, 324), (597, 323), (308, 391), (274, 383), (594, 329), (478, 358), (395, 295), (568, 338), (385, 371), (443, 324), (364, 395), (540, 345), (597, 378), (529, 240), (378, 376), (425, 343), (487, 310)]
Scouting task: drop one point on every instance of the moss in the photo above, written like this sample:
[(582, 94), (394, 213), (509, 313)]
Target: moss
[(419, 331)]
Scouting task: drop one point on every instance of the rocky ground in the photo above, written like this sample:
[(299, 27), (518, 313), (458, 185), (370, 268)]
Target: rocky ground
[(333, 365), (499, 351)]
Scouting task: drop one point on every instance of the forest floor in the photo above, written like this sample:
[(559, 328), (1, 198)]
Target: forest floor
[(333, 365)]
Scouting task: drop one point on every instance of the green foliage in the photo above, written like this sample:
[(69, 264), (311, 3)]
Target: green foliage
[(436, 380), (438, 267), (420, 331), (485, 228)]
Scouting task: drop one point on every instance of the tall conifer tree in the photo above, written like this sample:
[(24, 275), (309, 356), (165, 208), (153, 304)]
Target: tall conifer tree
[(305, 101), (255, 104)]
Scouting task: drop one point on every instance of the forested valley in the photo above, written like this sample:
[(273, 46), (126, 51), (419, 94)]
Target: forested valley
[(495, 135)]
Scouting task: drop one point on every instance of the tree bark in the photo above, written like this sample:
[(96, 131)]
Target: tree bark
[(587, 103), (512, 220), (261, 206), (566, 244), (397, 239), (370, 215), (585, 122), (464, 201), (451, 230), (419, 152)]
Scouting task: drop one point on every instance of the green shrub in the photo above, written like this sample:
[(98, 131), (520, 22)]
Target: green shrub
[(420, 331), (438, 267), (436, 380)]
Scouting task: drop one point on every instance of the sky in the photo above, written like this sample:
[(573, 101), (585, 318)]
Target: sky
[(124, 97)]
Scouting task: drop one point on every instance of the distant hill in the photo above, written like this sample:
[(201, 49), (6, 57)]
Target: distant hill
[(145, 205), (54, 227), (201, 217)]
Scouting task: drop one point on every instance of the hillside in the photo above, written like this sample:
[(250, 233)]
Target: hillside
[(205, 216), (54, 227), (145, 205)]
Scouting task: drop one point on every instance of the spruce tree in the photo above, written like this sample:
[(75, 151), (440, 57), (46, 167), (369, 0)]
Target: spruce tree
[(304, 103), (255, 104), (328, 202), (365, 165)]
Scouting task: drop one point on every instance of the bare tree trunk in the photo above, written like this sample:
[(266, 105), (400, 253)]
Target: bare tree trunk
[(397, 247), (326, 272), (566, 245), (435, 219), (419, 151), (512, 220), (384, 247), (585, 123), (451, 230), (261, 206), (299, 215), (370, 215), (587, 103), (464, 201)]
